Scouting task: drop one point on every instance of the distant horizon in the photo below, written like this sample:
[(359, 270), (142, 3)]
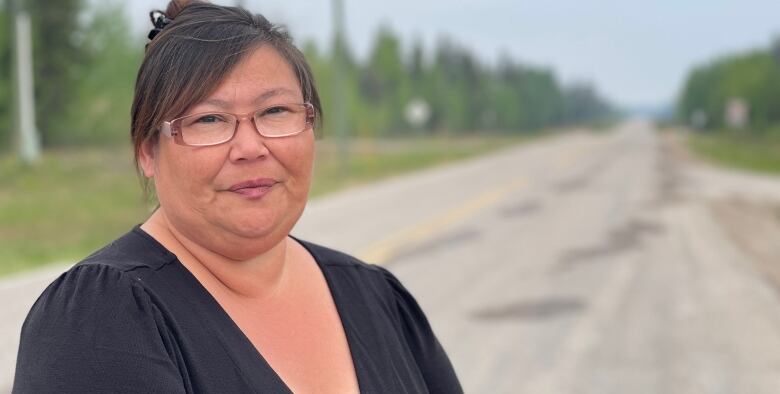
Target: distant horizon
[(636, 56)]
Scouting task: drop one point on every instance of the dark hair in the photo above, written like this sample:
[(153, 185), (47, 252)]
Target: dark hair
[(193, 53)]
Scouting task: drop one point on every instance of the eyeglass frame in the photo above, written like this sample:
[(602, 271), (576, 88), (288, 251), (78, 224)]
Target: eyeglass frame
[(172, 128)]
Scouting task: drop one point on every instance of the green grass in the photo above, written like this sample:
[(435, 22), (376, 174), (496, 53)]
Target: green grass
[(754, 152), (65, 207), (75, 201)]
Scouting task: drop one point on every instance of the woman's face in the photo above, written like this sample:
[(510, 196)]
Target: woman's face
[(200, 188)]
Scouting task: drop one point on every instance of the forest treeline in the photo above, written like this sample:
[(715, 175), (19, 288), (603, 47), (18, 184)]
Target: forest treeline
[(752, 78), (86, 61)]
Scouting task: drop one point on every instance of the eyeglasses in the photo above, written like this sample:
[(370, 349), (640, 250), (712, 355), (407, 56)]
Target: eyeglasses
[(214, 128)]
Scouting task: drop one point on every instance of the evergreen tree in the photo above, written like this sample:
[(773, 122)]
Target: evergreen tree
[(56, 54), (6, 85)]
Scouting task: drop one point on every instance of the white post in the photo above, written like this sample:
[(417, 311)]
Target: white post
[(29, 143)]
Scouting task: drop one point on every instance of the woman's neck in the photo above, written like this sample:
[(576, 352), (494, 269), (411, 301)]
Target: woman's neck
[(260, 278)]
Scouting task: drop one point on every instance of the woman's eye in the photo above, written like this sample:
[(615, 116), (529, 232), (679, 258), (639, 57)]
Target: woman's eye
[(209, 119), (275, 110)]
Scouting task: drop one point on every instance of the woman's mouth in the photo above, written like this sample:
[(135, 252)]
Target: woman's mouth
[(253, 189)]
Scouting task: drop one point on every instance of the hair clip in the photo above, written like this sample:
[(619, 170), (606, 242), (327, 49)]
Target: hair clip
[(159, 20)]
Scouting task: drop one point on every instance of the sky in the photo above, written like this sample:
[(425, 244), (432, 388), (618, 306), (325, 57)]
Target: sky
[(636, 53)]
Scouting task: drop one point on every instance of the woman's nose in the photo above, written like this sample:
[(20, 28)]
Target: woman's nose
[(247, 144)]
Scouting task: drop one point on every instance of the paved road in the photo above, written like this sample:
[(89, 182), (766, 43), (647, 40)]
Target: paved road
[(587, 263), (582, 263)]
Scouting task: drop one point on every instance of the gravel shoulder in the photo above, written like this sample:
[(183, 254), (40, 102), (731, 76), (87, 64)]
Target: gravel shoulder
[(746, 205)]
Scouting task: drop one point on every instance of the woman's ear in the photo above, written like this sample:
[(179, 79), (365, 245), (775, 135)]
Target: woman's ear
[(146, 157)]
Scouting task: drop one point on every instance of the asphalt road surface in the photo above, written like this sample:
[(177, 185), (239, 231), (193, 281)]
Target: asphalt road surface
[(580, 263)]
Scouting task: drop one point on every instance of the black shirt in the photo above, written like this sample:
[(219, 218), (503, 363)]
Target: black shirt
[(132, 319)]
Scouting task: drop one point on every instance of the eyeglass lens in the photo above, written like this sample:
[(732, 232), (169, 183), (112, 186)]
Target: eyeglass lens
[(215, 128)]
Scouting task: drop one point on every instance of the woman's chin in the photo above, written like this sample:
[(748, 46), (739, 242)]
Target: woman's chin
[(251, 241), (252, 234)]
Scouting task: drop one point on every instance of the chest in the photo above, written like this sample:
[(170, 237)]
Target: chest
[(301, 337)]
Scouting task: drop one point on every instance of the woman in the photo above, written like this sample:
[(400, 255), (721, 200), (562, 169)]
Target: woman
[(211, 294)]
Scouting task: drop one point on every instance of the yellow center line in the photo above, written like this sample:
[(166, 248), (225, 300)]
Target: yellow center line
[(384, 250)]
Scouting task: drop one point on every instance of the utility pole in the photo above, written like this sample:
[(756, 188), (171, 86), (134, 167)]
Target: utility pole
[(29, 142), (339, 104)]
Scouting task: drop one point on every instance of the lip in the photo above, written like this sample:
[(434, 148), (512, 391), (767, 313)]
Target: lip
[(254, 188)]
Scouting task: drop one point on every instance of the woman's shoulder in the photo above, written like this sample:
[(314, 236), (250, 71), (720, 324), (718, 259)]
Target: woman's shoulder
[(360, 273), (335, 260), (99, 316), (108, 282), (132, 251), (102, 281)]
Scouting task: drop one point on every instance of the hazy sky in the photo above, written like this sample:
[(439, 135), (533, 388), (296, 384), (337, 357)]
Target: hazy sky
[(636, 52)]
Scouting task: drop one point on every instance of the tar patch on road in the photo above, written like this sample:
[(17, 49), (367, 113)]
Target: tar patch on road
[(522, 209), (620, 240), (531, 310), (571, 185)]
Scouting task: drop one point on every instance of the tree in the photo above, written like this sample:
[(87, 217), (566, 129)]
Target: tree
[(458, 95), (102, 95), (6, 85), (752, 76), (416, 64), (583, 104), (56, 53), (384, 81)]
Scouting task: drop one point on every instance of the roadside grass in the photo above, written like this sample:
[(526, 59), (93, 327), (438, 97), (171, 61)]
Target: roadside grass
[(75, 201), (66, 206), (753, 152)]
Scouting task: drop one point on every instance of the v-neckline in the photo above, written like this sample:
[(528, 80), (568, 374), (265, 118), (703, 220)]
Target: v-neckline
[(246, 357)]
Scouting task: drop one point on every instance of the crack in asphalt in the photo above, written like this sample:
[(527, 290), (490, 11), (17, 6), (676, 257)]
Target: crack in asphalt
[(539, 309), (624, 238)]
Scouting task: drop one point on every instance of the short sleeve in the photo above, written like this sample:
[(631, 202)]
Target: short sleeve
[(429, 355), (95, 330)]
